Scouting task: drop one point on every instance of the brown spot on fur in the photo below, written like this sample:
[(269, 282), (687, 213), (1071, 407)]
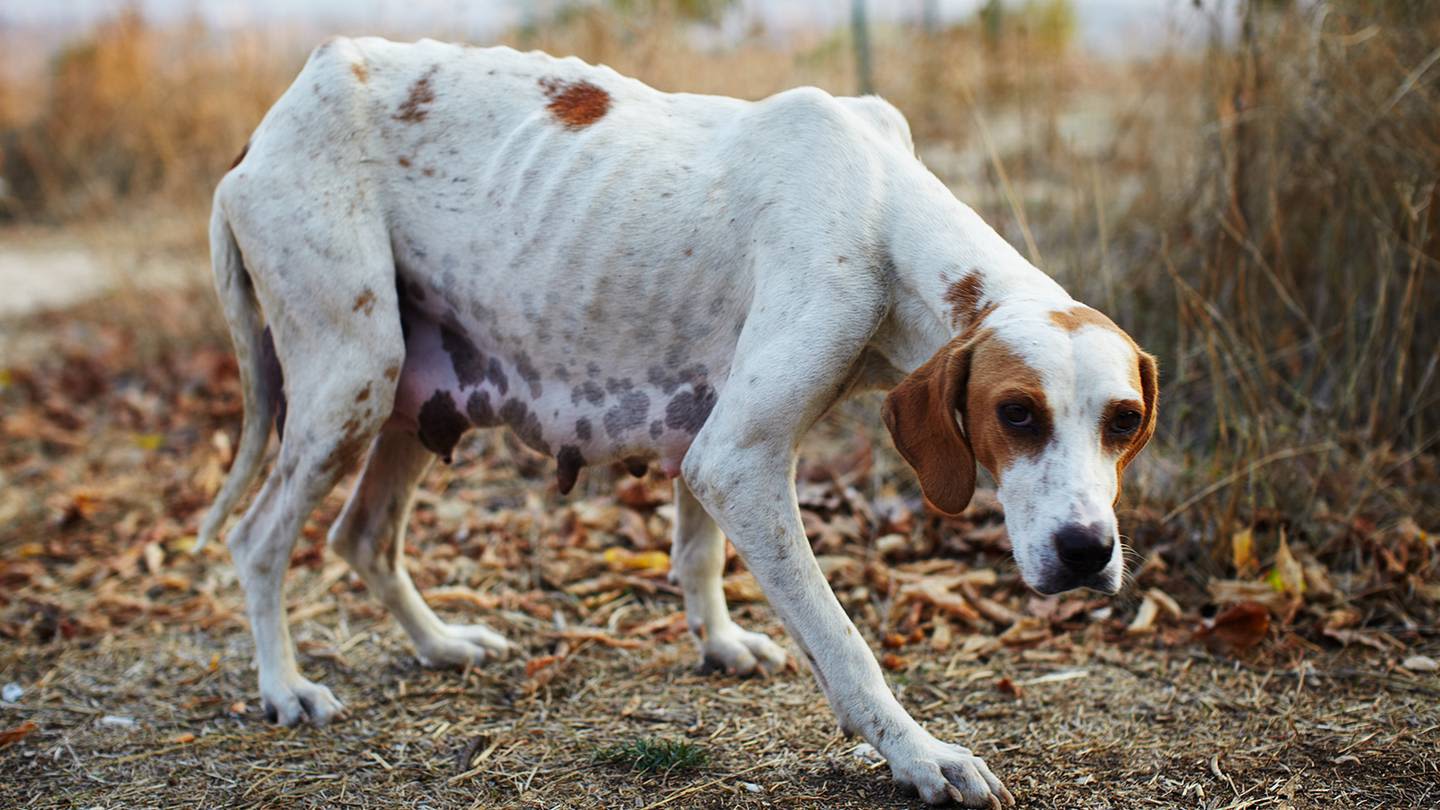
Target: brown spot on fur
[(365, 301), (362, 73), (1080, 316), (244, 150), (428, 172), (392, 373), (413, 110), (403, 161), (364, 393), (348, 450), (575, 104), (964, 297)]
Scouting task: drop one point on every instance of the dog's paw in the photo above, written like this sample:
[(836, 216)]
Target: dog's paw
[(942, 773), (741, 652), (493, 642), (289, 701), (447, 651)]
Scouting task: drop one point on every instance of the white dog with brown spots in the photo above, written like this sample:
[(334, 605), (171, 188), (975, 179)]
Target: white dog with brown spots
[(442, 237)]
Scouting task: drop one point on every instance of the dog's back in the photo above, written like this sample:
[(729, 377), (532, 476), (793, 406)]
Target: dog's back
[(588, 239)]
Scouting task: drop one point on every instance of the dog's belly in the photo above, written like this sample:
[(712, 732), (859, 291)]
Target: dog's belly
[(579, 409)]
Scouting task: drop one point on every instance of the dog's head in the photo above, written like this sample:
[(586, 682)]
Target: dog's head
[(1054, 404)]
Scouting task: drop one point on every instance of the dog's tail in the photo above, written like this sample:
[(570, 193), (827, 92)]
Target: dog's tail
[(259, 382)]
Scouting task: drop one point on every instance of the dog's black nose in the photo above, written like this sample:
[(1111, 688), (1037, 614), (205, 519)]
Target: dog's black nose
[(1083, 549)]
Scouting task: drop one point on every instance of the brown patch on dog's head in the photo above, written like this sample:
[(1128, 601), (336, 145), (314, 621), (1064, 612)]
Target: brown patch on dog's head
[(975, 374), (1144, 375), (1148, 373), (1080, 316), (413, 109), (964, 297), (1000, 378), (362, 73), (575, 104)]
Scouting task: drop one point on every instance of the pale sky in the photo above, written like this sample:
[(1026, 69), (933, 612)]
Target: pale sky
[(1122, 27)]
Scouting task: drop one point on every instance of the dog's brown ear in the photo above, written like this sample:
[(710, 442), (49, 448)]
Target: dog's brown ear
[(920, 413), (1150, 393)]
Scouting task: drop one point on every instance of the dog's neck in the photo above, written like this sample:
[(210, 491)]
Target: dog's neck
[(951, 267)]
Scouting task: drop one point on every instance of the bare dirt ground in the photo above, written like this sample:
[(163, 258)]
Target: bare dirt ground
[(1096, 725), (131, 656)]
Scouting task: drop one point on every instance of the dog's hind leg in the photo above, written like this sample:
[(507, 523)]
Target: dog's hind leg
[(370, 535), (698, 563), (329, 423)]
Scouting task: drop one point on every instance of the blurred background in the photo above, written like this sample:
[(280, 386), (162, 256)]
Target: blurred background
[(1248, 187)]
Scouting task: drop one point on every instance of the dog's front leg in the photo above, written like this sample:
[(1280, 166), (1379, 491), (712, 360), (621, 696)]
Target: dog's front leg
[(756, 505), (790, 366)]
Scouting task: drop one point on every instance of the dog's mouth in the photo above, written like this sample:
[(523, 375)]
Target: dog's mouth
[(1052, 577), (1059, 582)]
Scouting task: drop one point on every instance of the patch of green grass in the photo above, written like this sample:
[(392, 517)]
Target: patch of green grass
[(653, 755)]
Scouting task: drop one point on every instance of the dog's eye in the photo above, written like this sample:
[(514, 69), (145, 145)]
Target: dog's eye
[(1125, 422), (1016, 415)]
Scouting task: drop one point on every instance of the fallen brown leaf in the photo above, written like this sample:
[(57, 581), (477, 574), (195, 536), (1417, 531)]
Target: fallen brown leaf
[(11, 736), (1238, 628)]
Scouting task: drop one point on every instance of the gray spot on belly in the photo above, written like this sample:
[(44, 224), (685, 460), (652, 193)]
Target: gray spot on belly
[(657, 428), (688, 410), (628, 413), (529, 374), (582, 429), (496, 373), (588, 391), (467, 359), (526, 425)]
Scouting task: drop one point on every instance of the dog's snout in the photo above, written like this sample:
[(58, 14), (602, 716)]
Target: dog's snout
[(1084, 550)]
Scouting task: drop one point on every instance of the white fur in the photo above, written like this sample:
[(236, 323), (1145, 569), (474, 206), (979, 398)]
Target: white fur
[(793, 248)]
